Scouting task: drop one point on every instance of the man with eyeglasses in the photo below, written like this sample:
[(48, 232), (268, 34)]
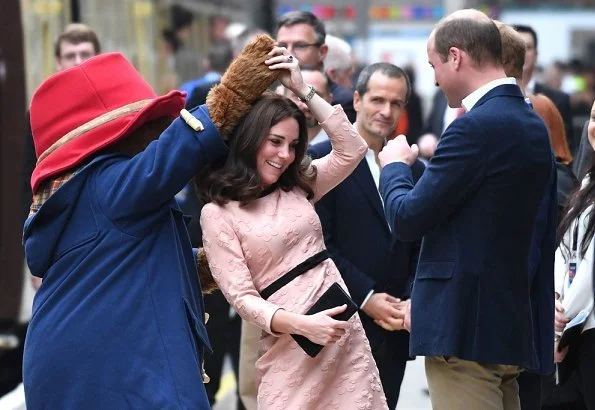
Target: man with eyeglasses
[(303, 34)]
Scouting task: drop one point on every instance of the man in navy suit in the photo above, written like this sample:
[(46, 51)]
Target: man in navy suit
[(482, 301), (376, 268)]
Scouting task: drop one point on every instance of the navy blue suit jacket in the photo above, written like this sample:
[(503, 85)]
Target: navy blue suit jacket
[(343, 97), (358, 237), (484, 206)]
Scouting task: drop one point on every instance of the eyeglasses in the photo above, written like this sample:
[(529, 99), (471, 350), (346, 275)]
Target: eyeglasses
[(299, 47)]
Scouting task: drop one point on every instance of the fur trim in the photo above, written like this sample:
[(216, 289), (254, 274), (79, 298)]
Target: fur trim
[(207, 283), (244, 81)]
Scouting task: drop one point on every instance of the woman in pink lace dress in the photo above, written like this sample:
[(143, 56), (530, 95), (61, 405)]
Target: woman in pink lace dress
[(260, 223)]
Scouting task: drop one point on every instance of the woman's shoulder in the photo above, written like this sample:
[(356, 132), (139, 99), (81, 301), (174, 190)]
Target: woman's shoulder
[(213, 210)]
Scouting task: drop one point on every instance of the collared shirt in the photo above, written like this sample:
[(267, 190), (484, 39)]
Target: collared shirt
[(450, 114), (475, 96), (375, 171)]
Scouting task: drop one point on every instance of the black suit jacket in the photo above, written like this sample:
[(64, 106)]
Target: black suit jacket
[(583, 156), (358, 237), (343, 97), (435, 120), (562, 102)]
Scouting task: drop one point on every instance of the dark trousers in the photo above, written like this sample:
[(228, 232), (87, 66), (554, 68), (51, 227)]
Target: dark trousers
[(578, 393), (530, 391), (586, 368), (224, 334), (391, 358)]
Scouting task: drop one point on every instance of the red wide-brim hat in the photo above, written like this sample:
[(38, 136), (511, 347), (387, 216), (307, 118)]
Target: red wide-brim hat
[(77, 112)]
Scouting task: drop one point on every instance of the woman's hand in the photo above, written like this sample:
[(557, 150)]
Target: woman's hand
[(321, 328), (560, 321), (291, 77)]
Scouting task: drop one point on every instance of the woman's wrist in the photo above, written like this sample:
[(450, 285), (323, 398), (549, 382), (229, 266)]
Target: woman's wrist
[(303, 91), (298, 324), (287, 322)]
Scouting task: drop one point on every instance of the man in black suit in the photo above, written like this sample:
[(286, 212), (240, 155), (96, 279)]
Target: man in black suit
[(560, 99), (580, 166), (376, 268)]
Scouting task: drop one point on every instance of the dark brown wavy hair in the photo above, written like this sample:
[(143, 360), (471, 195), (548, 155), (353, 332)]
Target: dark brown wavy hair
[(237, 179), (579, 202)]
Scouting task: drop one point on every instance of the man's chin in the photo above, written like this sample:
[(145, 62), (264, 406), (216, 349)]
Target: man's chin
[(384, 133)]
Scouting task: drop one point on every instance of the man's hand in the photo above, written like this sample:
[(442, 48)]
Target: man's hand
[(408, 316), (427, 144), (398, 150), (386, 310), (559, 356), (405, 324)]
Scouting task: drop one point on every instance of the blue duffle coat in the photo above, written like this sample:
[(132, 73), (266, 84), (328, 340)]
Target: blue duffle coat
[(118, 322)]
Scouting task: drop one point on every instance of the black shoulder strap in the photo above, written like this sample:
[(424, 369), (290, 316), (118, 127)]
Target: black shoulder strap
[(294, 273)]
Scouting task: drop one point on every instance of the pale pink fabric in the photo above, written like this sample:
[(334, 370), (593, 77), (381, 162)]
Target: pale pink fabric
[(249, 247)]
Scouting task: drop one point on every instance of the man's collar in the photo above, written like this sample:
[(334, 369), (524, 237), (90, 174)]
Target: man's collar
[(472, 99)]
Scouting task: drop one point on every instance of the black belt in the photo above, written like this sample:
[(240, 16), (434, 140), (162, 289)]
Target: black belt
[(294, 273)]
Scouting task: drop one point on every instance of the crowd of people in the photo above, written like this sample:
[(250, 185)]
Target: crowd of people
[(344, 238)]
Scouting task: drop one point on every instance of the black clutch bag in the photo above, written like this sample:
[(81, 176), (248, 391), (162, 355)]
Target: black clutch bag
[(333, 297)]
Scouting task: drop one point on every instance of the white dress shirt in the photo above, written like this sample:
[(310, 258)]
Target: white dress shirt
[(375, 171), (475, 96)]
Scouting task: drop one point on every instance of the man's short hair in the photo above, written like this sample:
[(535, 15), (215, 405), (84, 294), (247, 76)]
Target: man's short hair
[(480, 39), (513, 50), (387, 69), (304, 17), (220, 56), (521, 28), (77, 33), (338, 56), (309, 67), (245, 36)]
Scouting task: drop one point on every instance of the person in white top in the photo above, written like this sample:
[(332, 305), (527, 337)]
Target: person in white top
[(574, 277)]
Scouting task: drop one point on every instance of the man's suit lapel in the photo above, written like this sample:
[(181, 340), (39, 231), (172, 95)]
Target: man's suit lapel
[(363, 177)]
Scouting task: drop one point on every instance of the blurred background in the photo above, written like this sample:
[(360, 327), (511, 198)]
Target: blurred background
[(168, 39)]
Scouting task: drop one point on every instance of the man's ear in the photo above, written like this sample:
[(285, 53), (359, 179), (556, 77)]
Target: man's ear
[(455, 56), (357, 101), (331, 73), (323, 50), (58, 64)]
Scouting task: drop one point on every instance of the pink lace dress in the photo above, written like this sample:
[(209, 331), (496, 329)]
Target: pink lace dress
[(249, 247)]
